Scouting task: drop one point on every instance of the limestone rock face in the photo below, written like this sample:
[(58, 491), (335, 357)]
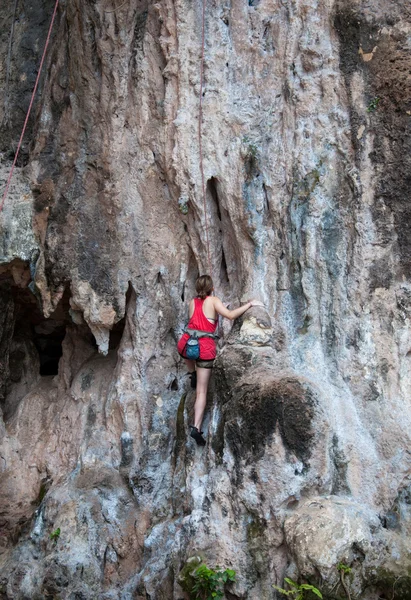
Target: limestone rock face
[(306, 150)]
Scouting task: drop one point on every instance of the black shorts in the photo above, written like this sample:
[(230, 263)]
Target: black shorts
[(205, 364)]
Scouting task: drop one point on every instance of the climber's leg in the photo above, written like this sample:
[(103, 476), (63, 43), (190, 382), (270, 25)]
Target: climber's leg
[(203, 377), (191, 366)]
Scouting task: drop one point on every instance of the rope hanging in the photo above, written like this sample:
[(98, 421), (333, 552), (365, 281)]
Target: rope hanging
[(200, 117), (200, 141), (30, 106)]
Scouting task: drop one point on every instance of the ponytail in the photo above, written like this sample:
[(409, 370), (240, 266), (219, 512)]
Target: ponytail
[(204, 286)]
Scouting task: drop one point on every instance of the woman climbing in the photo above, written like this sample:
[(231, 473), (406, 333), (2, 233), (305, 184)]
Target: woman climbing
[(203, 311)]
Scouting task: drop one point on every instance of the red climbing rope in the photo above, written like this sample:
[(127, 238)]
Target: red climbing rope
[(200, 142), (30, 105)]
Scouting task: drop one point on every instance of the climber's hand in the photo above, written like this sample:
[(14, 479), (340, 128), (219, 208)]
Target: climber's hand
[(255, 302)]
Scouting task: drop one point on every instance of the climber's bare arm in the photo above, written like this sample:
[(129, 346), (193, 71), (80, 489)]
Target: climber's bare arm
[(237, 312)]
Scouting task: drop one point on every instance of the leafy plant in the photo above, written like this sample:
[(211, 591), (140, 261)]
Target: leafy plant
[(298, 590), (373, 104), (343, 568), (54, 535), (209, 584)]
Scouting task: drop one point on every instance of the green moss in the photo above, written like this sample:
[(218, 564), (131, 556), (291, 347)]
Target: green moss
[(185, 577), (54, 535), (42, 493), (255, 528), (44, 488), (183, 205), (201, 581), (373, 104)]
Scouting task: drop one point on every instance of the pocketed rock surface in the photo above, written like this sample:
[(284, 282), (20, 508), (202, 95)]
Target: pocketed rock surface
[(306, 143)]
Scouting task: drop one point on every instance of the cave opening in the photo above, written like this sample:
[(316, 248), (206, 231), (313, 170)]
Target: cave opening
[(31, 345), (45, 334), (50, 349)]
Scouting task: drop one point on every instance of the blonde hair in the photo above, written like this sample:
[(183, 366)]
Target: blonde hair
[(204, 286)]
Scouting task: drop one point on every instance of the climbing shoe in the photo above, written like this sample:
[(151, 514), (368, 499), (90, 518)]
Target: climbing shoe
[(197, 435), (193, 379)]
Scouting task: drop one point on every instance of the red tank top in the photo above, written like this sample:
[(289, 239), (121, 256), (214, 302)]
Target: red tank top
[(199, 320)]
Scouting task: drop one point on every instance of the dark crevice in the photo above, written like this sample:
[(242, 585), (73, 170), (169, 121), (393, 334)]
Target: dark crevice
[(223, 269), (46, 334), (49, 347), (191, 277), (95, 58), (116, 334), (31, 345), (173, 385), (340, 482), (139, 31), (224, 233), (266, 203), (212, 190)]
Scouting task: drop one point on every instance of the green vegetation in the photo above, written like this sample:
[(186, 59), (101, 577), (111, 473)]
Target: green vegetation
[(42, 493), (298, 590), (203, 583), (256, 527), (54, 535), (209, 583), (183, 205), (373, 104), (343, 568)]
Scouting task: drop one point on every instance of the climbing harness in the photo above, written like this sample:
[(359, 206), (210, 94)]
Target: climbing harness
[(192, 347), (199, 333), (30, 106), (200, 142)]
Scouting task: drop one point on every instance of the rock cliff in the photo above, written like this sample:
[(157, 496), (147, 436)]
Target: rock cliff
[(306, 142)]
